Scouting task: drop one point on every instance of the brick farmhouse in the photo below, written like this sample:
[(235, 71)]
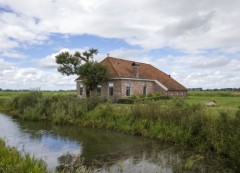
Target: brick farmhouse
[(129, 78)]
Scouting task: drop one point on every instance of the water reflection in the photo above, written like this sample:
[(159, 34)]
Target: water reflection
[(102, 151), (42, 143)]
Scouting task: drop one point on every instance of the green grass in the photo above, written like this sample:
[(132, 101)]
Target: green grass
[(11, 94), (227, 101), (222, 102), (214, 93), (11, 161)]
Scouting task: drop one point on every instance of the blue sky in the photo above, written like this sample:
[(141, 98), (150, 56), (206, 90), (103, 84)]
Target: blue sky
[(196, 43)]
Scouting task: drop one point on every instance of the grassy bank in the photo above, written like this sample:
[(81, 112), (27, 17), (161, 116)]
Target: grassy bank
[(12, 161), (184, 121)]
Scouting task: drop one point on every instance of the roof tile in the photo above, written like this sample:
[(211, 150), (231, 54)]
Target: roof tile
[(119, 68)]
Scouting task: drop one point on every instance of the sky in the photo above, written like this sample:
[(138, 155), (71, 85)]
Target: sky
[(196, 42)]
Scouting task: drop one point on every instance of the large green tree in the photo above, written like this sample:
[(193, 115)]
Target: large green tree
[(91, 72)]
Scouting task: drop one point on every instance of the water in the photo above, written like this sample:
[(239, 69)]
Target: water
[(103, 151)]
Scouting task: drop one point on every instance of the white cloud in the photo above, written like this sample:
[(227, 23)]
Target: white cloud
[(13, 77), (49, 61), (191, 27), (5, 65), (13, 54), (203, 71), (151, 24)]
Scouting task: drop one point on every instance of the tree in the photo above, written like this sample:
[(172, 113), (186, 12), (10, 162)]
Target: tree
[(92, 72), (70, 64)]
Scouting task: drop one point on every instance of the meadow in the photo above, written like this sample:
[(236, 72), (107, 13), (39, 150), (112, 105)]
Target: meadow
[(185, 121)]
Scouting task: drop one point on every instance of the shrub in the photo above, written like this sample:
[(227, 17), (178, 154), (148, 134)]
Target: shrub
[(126, 101), (60, 109), (23, 101)]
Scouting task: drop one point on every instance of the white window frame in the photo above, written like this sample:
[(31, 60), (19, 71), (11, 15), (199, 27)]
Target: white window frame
[(128, 86), (111, 84), (81, 89)]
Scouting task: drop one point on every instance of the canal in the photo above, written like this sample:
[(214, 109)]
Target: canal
[(104, 151)]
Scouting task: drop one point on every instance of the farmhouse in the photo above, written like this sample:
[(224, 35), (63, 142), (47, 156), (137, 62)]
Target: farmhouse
[(128, 78)]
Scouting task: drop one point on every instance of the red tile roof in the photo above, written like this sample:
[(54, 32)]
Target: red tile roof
[(119, 68)]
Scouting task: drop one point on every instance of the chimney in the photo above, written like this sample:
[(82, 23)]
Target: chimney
[(135, 67)]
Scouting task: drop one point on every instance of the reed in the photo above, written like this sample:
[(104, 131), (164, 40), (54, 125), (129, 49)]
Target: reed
[(12, 161)]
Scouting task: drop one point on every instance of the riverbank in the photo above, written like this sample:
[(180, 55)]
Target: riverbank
[(12, 161), (175, 120)]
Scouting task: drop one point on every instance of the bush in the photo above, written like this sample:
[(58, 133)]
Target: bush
[(23, 101), (126, 101), (60, 109), (149, 97)]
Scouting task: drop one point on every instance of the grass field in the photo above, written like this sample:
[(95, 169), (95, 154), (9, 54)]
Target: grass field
[(226, 101), (11, 94), (222, 102)]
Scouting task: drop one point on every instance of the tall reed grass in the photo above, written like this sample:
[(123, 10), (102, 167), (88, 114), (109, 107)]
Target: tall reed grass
[(11, 161), (174, 121), (59, 109)]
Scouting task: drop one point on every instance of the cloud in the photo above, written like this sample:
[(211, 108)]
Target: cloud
[(49, 61), (202, 71), (17, 30), (193, 24), (12, 54), (204, 32), (152, 24), (13, 77), (5, 65)]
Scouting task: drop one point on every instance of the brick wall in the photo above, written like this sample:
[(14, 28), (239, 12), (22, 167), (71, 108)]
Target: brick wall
[(178, 93), (136, 88)]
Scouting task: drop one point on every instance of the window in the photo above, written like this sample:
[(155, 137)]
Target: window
[(128, 89), (145, 89), (110, 88), (81, 89), (99, 89)]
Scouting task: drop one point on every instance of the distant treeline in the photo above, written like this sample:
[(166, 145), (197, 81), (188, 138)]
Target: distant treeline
[(216, 89), (27, 90), (190, 89)]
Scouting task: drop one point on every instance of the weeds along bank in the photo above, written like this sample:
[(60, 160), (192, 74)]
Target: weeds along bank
[(173, 120), (12, 161)]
